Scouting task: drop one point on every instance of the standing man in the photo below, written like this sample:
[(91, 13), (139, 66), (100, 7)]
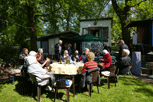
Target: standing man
[(69, 49), (122, 46), (58, 50), (105, 46)]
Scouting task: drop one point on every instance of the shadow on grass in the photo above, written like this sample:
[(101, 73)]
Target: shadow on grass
[(24, 88), (58, 96), (145, 91)]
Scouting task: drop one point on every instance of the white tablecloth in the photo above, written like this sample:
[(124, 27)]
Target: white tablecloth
[(66, 68)]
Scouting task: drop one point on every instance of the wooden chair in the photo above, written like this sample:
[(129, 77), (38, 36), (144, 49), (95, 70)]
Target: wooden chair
[(95, 75), (60, 83), (112, 70), (35, 83)]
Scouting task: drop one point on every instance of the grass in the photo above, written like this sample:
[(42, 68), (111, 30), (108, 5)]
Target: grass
[(136, 91)]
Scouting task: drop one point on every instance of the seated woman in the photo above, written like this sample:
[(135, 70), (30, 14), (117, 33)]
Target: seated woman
[(90, 64), (38, 57), (87, 66), (66, 57), (124, 63), (107, 61), (76, 56), (35, 69)]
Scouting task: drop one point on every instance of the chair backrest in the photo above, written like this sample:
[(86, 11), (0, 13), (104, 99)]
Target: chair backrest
[(61, 81), (112, 70), (95, 73), (95, 76), (33, 79)]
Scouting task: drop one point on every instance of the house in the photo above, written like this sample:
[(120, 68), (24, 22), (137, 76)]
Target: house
[(99, 28), (144, 36), (47, 42)]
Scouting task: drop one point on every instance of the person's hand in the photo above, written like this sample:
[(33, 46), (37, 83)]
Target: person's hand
[(101, 64), (101, 59), (48, 73), (47, 59)]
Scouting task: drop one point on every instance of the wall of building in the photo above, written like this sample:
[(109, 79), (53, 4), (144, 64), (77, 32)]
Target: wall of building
[(51, 45), (100, 23)]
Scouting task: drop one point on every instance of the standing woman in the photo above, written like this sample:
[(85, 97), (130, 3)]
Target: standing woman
[(69, 49)]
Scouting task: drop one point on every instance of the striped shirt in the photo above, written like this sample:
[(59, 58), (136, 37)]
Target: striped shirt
[(89, 65)]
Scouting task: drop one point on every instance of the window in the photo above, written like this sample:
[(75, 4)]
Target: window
[(45, 46), (105, 32)]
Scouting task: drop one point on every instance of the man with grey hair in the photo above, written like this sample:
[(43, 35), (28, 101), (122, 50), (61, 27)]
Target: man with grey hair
[(124, 63), (58, 50), (122, 46), (84, 56)]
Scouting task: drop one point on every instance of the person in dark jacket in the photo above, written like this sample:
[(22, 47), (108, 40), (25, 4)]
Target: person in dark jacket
[(105, 46), (122, 46), (69, 49), (124, 63), (58, 50), (22, 55), (76, 56), (84, 56)]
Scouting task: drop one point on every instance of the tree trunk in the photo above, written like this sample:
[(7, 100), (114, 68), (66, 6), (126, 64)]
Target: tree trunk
[(68, 20), (32, 30)]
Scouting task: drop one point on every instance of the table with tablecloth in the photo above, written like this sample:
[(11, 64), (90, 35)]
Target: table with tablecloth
[(70, 70)]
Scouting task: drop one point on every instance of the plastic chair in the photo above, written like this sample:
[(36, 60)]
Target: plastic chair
[(35, 83)]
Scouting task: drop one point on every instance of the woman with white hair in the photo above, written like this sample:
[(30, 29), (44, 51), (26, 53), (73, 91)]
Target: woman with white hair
[(35, 69), (76, 56), (107, 60), (124, 62)]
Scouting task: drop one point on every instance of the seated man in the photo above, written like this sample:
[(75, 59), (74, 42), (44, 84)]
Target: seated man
[(84, 56), (22, 64), (107, 61), (124, 63), (35, 69)]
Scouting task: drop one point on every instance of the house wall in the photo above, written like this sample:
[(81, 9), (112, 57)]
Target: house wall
[(100, 23), (38, 44), (51, 45)]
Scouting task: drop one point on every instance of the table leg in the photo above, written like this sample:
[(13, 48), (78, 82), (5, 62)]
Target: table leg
[(13, 80), (108, 82), (73, 85)]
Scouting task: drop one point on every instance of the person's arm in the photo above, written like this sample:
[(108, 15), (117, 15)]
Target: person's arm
[(45, 62), (84, 68)]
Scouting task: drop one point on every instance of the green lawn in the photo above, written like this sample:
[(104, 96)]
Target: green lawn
[(136, 91)]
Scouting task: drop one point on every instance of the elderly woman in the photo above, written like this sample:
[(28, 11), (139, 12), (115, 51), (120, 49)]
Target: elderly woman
[(76, 56), (124, 62), (107, 60), (35, 69), (90, 64), (66, 56)]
